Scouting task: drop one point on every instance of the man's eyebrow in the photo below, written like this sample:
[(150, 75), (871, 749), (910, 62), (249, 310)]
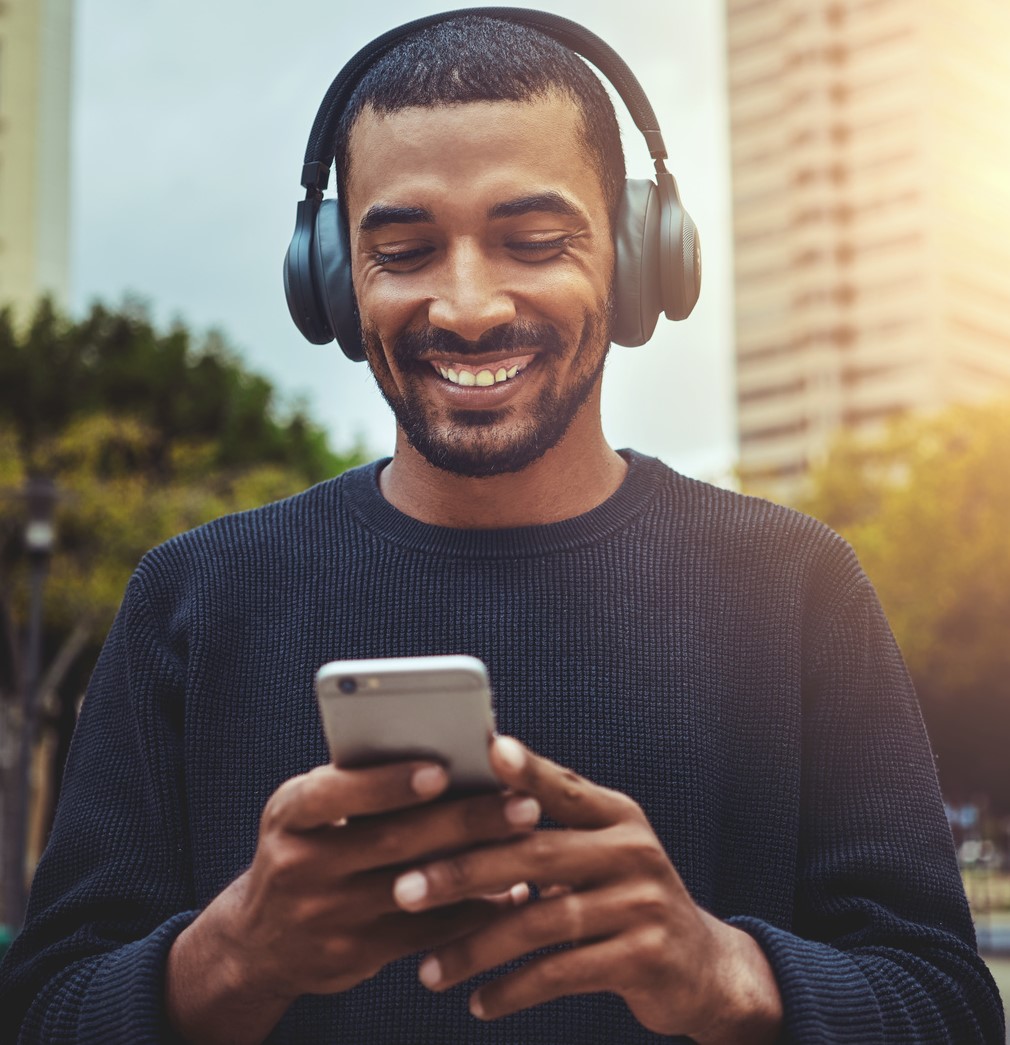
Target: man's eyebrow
[(550, 202), (382, 214)]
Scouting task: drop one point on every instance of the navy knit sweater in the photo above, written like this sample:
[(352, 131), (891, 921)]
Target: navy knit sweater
[(722, 660)]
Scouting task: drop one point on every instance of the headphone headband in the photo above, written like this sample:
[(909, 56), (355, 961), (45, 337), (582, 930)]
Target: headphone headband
[(319, 151)]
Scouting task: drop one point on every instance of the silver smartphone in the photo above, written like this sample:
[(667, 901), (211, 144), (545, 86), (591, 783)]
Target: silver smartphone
[(393, 708)]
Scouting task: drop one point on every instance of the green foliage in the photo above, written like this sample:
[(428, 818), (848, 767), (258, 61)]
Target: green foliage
[(926, 508), (117, 363), (146, 434)]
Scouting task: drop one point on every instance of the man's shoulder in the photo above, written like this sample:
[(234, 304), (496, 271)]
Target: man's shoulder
[(728, 512), (751, 533), (288, 527)]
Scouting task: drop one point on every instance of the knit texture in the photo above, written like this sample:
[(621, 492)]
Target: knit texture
[(721, 659)]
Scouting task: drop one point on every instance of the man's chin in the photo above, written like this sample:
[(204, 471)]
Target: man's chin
[(477, 459)]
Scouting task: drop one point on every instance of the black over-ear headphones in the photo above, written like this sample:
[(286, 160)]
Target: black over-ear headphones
[(658, 263)]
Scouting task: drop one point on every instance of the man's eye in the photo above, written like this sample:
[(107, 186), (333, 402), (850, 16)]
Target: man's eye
[(402, 259), (536, 248)]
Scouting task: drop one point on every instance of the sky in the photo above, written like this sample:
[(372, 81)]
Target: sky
[(190, 124)]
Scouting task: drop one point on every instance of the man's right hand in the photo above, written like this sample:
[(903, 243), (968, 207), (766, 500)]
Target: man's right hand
[(314, 912)]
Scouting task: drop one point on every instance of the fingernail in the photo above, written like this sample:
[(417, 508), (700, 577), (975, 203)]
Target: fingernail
[(510, 752), (429, 972), (428, 780), (476, 1008), (522, 811), (410, 888)]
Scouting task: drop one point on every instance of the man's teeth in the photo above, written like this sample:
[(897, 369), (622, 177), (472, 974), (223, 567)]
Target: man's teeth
[(483, 378)]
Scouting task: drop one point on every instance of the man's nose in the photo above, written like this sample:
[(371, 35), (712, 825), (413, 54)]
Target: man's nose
[(471, 297)]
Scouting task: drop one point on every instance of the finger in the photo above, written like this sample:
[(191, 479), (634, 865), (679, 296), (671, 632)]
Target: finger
[(572, 919), (414, 834), (332, 900), (566, 797), (409, 934), (518, 895), (570, 858), (339, 959), (327, 795), (583, 970)]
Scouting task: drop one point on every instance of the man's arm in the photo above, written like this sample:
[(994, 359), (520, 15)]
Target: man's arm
[(113, 888), (881, 948), (114, 949)]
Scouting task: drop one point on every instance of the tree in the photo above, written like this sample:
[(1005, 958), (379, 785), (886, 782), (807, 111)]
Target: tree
[(926, 507), (146, 433), (116, 363)]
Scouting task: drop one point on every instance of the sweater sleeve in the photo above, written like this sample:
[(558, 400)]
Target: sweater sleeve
[(113, 889), (882, 947)]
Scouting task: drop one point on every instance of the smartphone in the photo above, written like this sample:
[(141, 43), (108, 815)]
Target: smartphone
[(395, 708)]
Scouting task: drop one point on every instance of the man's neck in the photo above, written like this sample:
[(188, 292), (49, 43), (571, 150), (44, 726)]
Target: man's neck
[(572, 478)]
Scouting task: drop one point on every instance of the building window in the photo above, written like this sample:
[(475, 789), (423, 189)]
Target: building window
[(779, 431)]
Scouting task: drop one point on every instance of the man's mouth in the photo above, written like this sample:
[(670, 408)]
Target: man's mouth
[(481, 375)]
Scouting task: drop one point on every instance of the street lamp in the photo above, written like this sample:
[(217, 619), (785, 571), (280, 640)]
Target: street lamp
[(40, 496)]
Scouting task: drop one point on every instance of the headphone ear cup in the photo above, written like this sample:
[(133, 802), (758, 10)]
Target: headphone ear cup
[(637, 296), (299, 286), (331, 272), (680, 252), (658, 259)]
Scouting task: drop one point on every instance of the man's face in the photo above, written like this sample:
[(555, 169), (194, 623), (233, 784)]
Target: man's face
[(482, 261)]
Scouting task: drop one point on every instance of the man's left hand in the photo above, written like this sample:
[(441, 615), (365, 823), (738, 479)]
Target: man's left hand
[(609, 892)]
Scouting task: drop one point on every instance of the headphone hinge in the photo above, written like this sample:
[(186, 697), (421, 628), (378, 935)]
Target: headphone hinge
[(655, 143), (315, 177)]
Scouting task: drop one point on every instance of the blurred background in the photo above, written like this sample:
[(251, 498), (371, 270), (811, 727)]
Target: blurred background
[(845, 160)]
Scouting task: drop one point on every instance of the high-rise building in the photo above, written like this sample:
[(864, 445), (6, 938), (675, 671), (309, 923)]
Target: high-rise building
[(35, 72), (870, 144)]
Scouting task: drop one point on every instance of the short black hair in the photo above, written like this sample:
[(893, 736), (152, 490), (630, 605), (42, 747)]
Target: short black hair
[(481, 59)]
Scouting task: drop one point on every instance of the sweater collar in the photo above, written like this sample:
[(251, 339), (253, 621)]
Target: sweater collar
[(361, 494)]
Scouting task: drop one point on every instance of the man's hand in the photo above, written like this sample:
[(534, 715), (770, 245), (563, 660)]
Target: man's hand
[(314, 912), (609, 890)]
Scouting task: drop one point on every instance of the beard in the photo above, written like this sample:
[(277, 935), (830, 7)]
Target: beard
[(480, 443)]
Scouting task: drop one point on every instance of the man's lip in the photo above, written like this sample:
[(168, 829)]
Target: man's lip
[(465, 382), (488, 361)]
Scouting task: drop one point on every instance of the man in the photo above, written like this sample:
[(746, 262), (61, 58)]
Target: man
[(747, 843)]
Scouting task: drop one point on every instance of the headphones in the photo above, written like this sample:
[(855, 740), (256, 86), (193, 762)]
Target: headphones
[(658, 255)]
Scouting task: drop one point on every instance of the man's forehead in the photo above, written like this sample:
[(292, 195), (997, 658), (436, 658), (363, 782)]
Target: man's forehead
[(535, 134)]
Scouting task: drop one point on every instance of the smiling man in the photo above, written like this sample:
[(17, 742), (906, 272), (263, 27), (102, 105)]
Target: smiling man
[(485, 314), (702, 698)]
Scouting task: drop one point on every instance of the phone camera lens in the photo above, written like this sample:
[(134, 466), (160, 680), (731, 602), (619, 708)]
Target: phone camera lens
[(348, 685)]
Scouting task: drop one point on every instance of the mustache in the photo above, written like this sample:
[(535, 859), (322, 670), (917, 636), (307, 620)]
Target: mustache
[(413, 345)]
